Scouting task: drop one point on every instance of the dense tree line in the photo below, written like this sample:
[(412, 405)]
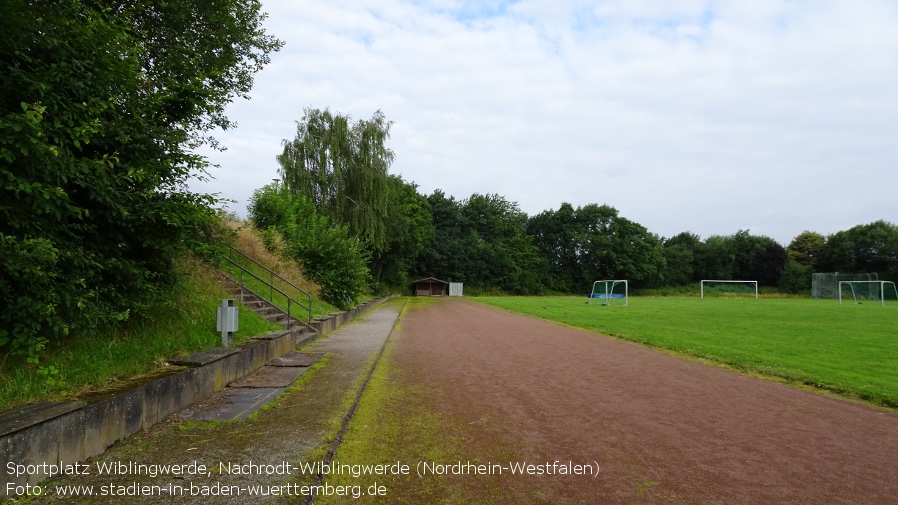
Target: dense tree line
[(594, 242), (103, 104), (481, 241), (339, 166)]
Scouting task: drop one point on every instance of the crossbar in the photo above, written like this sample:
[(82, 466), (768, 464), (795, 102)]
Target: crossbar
[(882, 290)]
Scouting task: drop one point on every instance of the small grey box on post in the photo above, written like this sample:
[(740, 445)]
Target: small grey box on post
[(227, 322)]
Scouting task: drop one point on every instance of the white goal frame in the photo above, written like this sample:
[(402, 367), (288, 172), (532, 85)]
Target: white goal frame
[(882, 290), (729, 280), (606, 300)]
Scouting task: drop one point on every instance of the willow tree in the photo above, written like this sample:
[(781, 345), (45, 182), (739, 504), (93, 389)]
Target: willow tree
[(342, 166)]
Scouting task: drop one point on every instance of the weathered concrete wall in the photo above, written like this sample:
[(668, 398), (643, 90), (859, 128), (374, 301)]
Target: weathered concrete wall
[(69, 432)]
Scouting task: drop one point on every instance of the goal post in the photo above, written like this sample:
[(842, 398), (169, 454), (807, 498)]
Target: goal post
[(712, 282), (609, 291), (876, 291), (826, 284)]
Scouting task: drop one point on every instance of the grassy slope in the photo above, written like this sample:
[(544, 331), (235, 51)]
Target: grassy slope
[(185, 323), (849, 349), (249, 241)]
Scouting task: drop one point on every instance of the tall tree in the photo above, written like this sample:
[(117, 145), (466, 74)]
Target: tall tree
[(410, 229), (805, 248), (757, 257), (741, 256), (863, 248), (594, 242), (447, 255), (716, 259), (505, 256), (482, 242), (614, 247), (680, 253), (342, 166), (555, 234), (102, 107)]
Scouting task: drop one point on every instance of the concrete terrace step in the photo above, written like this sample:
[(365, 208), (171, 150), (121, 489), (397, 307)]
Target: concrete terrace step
[(262, 307)]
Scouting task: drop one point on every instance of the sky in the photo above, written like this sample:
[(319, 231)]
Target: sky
[(711, 117)]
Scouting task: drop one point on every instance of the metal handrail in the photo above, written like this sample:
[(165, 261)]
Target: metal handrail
[(270, 283)]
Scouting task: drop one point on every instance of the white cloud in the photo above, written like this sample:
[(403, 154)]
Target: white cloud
[(692, 115)]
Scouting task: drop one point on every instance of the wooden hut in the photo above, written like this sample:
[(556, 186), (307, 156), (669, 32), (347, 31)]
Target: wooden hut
[(429, 287)]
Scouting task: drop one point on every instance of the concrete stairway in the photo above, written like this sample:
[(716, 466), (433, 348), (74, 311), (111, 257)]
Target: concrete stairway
[(262, 307)]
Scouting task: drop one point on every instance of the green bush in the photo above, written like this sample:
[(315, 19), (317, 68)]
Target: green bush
[(796, 278), (333, 259)]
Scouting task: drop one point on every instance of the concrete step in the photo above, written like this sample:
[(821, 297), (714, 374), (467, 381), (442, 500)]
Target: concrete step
[(257, 304)]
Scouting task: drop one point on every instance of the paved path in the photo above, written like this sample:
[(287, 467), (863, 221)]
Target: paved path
[(663, 429), (293, 429)]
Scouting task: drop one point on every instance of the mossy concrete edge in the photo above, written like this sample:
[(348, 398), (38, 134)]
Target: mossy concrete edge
[(49, 443)]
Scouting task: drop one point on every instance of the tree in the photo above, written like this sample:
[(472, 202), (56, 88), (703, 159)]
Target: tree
[(679, 255), (593, 242), (796, 278), (863, 248), (771, 263), (446, 256), (505, 257), (716, 259), (409, 229), (102, 107), (741, 256), (555, 235), (342, 167), (805, 248), (614, 247), (757, 258), (482, 242)]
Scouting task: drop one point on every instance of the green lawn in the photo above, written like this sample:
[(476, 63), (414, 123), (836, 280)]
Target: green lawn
[(849, 349)]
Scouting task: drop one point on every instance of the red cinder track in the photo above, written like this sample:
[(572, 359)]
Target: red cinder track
[(663, 429)]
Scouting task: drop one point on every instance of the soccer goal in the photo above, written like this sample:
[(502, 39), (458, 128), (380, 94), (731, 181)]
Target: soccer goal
[(610, 292), (874, 291), (826, 284), (729, 287)]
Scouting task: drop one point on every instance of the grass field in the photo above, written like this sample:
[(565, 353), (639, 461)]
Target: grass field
[(848, 349)]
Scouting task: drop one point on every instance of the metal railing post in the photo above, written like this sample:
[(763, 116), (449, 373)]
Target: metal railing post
[(270, 283)]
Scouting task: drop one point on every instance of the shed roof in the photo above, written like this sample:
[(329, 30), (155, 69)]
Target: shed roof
[(429, 279)]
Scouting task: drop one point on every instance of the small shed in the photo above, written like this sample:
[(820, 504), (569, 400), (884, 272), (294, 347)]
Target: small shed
[(429, 287), (456, 289)]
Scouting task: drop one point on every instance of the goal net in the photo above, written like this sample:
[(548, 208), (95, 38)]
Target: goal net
[(610, 292), (729, 288), (873, 291), (826, 284)]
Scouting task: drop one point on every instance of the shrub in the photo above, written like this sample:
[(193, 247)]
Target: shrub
[(333, 259), (796, 278)]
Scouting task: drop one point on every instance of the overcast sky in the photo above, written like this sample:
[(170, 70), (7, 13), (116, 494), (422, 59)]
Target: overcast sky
[(710, 117)]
